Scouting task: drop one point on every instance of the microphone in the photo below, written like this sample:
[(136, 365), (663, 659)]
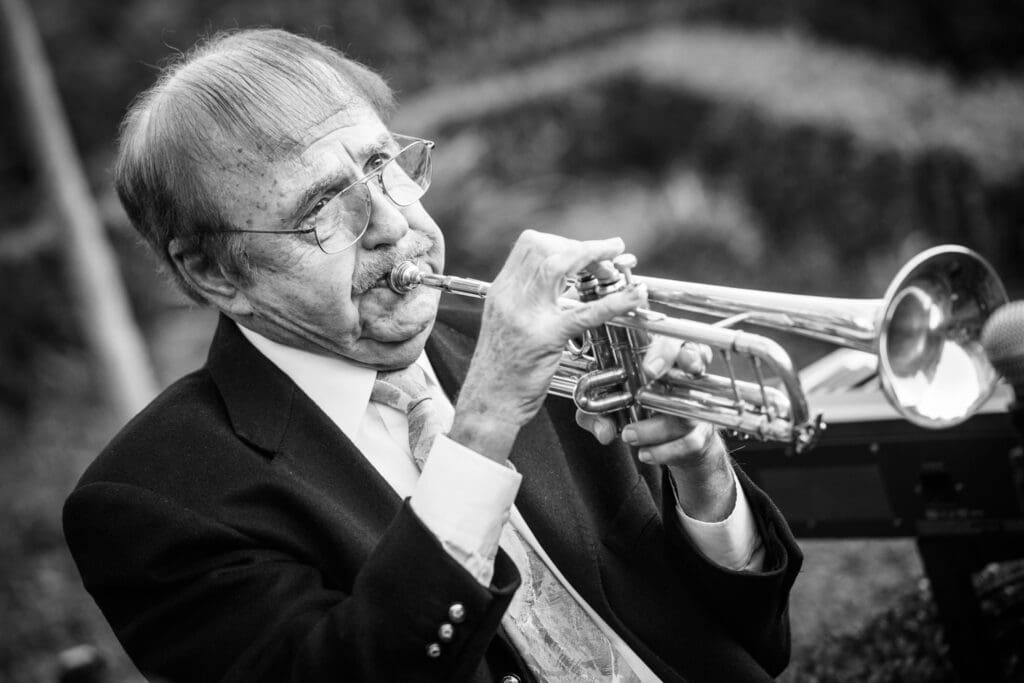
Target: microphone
[(1003, 341), (1002, 337)]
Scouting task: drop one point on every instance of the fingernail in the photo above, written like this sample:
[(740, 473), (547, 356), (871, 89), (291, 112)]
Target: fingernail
[(655, 367), (604, 433), (637, 293), (629, 435), (644, 455)]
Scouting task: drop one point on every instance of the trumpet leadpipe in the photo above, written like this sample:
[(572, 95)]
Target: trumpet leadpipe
[(407, 276)]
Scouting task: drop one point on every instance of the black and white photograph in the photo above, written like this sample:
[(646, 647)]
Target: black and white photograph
[(513, 342)]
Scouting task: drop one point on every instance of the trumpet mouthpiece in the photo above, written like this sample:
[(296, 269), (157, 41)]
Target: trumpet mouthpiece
[(404, 277)]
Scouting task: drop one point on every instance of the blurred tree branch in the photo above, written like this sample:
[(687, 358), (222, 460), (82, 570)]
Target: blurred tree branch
[(125, 371)]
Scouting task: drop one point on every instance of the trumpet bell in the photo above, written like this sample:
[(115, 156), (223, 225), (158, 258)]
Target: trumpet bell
[(931, 364), (925, 331)]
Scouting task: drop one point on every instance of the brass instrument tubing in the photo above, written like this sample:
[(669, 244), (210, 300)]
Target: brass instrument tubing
[(727, 355), (768, 350), (407, 276), (854, 328), (606, 344), (632, 376), (760, 383), (743, 392)]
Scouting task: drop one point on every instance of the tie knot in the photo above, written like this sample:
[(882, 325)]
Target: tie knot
[(406, 391), (401, 389)]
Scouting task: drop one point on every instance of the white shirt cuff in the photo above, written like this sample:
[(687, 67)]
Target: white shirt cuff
[(732, 543), (465, 500)]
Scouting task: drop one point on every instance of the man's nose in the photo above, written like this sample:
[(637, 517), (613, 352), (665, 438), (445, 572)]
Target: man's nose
[(387, 222)]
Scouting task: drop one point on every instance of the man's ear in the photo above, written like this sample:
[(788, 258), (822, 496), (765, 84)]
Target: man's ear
[(208, 277)]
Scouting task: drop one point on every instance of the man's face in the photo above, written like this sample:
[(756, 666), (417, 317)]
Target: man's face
[(332, 303)]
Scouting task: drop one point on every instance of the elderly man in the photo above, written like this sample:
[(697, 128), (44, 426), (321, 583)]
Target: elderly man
[(310, 506)]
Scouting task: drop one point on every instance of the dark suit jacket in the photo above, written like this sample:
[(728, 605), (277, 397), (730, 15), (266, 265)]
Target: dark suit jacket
[(231, 532)]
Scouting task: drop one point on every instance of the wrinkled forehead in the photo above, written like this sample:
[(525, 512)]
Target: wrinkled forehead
[(355, 132)]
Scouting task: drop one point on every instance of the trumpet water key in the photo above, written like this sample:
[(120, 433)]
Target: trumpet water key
[(925, 331)]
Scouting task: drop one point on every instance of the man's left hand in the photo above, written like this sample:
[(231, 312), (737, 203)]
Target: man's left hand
[(693, 451)]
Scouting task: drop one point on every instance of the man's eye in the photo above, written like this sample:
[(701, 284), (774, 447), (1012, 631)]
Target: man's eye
[(315, 210), (376, 161)]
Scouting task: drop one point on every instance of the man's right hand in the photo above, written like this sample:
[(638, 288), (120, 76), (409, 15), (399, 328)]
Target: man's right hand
[(523, 333)]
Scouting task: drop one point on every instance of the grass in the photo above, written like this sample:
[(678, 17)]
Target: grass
[(901, 643), (44, 605)]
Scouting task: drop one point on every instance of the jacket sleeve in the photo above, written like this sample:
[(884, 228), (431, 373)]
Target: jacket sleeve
[(192, 599), (752, 606)]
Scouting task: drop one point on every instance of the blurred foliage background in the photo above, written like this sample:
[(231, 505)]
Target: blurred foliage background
[(800, 145)]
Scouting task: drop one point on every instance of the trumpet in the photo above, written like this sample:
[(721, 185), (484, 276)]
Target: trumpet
[(925, 332)]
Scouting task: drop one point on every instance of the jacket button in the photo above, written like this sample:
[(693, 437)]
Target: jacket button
[(433, 650), (457, 613), (445, 633), (510, 678)]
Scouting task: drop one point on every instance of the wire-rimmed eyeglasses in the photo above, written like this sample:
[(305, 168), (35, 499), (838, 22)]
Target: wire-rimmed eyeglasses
[(341, 220)]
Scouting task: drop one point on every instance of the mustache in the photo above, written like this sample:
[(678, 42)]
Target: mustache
[(376, 264)]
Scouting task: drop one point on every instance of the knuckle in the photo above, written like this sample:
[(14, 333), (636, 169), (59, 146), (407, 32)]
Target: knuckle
[(667, 346), (577, 320), (517, 320), (698, 437), (535, 239), (553, 266), (526, 241), (690, 358), (707, 353)]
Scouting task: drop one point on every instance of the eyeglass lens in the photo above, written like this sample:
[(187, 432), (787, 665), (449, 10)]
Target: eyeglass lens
[(405, 179)]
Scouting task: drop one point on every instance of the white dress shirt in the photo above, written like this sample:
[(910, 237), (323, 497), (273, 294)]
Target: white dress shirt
[(462, 497)]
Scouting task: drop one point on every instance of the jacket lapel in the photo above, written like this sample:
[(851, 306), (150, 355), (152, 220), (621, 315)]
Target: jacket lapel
[(257, 395), (271, 413)]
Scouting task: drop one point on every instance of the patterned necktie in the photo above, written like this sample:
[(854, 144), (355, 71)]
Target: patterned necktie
[(553, 633), (406, 390)]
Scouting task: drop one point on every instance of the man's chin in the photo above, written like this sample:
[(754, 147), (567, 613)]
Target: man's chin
[(402, 329), (395, 336), (393, 353), (395, 326)]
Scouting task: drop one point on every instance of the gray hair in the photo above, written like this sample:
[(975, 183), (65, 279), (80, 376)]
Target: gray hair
[(250, 94)]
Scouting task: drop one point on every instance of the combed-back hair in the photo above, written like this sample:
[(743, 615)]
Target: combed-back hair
[(241, 96)]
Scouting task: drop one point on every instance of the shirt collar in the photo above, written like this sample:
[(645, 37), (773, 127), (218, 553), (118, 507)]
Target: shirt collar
[(340, 387)]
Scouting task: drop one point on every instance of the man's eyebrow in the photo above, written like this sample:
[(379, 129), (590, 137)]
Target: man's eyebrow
[(335, 180), (382, 142)]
